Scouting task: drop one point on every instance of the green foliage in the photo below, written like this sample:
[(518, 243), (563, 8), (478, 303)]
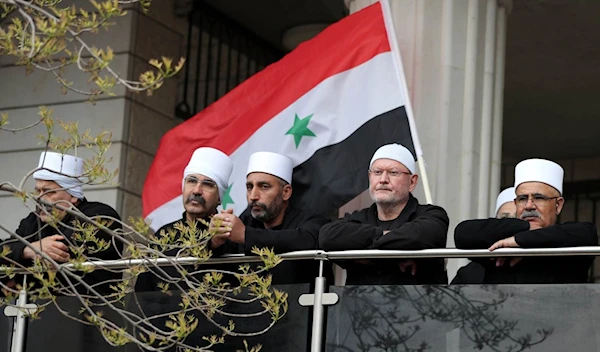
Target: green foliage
[(68, 139), (49, 36)]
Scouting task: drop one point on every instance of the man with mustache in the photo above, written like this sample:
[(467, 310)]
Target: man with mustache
[(205, 180), (58, 181), (396, 220), (538, 201), (271, 220)]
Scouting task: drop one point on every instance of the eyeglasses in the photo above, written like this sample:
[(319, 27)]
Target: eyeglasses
[(537, 199), (205, 185), (391, 173)]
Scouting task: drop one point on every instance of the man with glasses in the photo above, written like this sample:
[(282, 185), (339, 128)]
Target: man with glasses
[(539, 201), (204, 183), (396, 220)]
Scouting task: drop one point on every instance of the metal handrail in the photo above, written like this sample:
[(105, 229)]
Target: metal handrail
[(348, 255)]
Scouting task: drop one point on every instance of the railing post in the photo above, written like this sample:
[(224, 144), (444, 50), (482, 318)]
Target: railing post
[(318, 311), (318, 300), (20, 323)]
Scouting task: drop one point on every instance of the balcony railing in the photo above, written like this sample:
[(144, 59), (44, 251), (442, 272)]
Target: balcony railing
[(377, 318)]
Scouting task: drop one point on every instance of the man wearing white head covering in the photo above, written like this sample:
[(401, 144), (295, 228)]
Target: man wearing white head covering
[(396, 220), (474, 273), (205, 180), (539, 201), (271, 220), (505, 204), (58, 180)]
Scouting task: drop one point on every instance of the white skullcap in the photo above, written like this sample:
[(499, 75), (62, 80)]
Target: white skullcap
[(66, 170), (211, 163), (271, 163), (508, 195), (540, 170), (395, 152)]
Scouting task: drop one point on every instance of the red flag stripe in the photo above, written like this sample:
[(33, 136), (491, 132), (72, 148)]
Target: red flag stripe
[(231, 120)]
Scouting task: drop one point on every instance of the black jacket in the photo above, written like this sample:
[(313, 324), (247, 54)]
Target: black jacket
[(417, 227), (298, 231), (481, 234), (28, 228)]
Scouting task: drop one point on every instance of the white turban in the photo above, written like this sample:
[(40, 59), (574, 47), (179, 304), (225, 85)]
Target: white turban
[(395, 152), (540, 170), (66, 170), (273, 164), (211, 163), (508, 195)]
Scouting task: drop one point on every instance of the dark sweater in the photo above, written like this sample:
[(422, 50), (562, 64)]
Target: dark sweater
[(417, 227)]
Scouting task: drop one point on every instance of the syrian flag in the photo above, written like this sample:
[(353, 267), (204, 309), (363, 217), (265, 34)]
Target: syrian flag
[(328, 105)]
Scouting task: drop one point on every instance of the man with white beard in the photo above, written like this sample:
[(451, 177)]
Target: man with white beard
[(396, 220)]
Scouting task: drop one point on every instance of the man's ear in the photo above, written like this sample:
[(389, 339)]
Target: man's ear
[(560, 202), (414, 179), (287, 192)]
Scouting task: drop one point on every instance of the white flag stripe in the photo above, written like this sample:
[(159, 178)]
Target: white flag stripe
[(340, 105)]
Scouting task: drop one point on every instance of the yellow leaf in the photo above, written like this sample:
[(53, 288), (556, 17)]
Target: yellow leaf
[(168, 61), (155, 63)]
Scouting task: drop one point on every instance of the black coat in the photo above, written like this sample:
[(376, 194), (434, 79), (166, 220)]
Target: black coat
[(481, 234), (29, 227), (298, 231), (417, 227)]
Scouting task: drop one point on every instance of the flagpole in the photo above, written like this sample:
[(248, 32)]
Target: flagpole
[(393, 41)]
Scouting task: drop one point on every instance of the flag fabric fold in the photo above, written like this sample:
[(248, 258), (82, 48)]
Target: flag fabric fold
[(328, 105)]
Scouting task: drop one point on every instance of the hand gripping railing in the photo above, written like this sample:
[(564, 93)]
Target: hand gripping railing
[(319, 299)]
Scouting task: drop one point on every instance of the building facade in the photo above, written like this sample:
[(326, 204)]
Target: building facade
[(492, 82)]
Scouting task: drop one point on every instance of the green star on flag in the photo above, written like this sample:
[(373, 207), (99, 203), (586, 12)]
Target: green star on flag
[(300, 129), (227, 198)]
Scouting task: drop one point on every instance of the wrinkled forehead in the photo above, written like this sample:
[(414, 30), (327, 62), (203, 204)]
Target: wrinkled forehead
[(536, 188), (389, 164)]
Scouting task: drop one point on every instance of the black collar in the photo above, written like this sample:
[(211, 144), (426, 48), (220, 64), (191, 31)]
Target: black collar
[(405, 215)]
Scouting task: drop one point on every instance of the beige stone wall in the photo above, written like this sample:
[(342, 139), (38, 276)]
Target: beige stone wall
[(146, 118)]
